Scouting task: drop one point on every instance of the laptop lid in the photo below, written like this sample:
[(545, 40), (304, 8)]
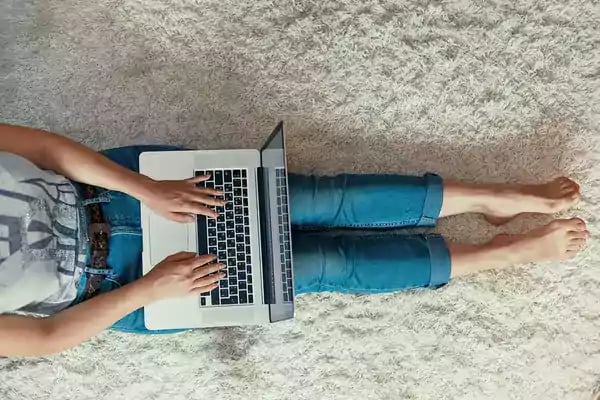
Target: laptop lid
[(278, 276)]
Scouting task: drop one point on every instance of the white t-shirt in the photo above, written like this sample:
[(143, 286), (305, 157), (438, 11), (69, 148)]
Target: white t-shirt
[(42, 249)]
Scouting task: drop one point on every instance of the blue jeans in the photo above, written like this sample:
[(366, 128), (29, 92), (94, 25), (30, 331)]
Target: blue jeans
[(327, 255)]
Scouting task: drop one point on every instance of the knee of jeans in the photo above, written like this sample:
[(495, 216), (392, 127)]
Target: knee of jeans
[(320, 264)]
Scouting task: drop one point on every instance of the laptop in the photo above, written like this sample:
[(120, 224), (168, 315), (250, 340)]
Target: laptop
[(251, 236)]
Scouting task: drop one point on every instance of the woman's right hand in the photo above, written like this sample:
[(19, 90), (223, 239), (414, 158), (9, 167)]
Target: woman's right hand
[(182, 274)]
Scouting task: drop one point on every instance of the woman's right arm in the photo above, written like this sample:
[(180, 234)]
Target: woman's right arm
[(180, 274)]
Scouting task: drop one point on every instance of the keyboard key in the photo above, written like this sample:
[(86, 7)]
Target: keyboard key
[(229, 188), (233, 290), (232, 271), (241, 276), (230, 224), (249, 288), (214, 297), (230, 234), (249, 268), (221, 236), (237, 173), (245, 202), (247, 230), (211, 222), (229, 215), (240, 257), (229, 206), (224, 293), (248, 249), (239, 237), (241, 285), (242, 296), (202, 301), (240, 247), (247, 240), (231, 262), (233, 299), (227, 175), (245, 192), (222, 246), (222, 256), (233, 281), (231, 253), (212, 250), (221, 218), (237, 183), (212, 232), (221, 226), (212, 241), (250, 298), (237, 201), (249, 279), (237, 192), (248, 260), (239, 229), (223, 283), (218, 177), (228, 196), (231, 243), (238, 210)]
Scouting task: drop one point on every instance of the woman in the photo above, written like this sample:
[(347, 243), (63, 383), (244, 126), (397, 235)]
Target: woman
[(43, 244)]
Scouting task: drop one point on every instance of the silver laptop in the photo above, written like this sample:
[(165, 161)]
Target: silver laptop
[(251, 236)]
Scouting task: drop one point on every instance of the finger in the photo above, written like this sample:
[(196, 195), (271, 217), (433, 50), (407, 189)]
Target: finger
[(199, 260), (182, 255), (208, 269), (211, 201), (204, 289), (196, 208), (182, 217), (210, 191), (208, 280), (198, 179)]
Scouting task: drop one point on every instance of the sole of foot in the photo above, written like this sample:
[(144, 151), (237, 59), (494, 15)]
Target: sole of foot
[(561, 239), (508, 201)]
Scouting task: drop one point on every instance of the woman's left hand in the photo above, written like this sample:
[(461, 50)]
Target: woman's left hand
[(181, 200)]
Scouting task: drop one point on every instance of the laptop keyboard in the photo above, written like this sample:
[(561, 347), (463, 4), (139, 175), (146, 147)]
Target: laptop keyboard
[(284, 235), (228, 237)]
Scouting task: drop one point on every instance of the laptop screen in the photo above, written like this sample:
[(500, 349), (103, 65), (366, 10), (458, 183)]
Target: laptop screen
[(277, 250)]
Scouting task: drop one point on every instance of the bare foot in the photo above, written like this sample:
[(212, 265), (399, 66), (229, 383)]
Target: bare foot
[(559, 240), (507, 201)]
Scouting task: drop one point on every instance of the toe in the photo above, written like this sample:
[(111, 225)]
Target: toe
[(577, 224), (571, 253), (576, 244)]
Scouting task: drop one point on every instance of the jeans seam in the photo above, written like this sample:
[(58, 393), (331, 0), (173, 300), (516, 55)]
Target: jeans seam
[(432, 183)]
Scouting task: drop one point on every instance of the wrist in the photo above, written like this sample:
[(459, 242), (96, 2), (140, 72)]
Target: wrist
[(144, 290), (141, 187)]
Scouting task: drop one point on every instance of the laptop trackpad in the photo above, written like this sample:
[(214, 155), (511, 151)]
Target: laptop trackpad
[(173, 238)]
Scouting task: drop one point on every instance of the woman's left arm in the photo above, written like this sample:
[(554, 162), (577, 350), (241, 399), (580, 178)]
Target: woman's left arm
[(176, 200)]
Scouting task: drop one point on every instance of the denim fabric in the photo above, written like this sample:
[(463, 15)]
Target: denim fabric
[(323, 260)]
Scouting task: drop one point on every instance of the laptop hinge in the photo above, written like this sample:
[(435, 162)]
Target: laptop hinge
[(266, 239)]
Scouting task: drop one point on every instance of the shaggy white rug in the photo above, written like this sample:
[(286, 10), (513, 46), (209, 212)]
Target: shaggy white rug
[(479, 90)]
